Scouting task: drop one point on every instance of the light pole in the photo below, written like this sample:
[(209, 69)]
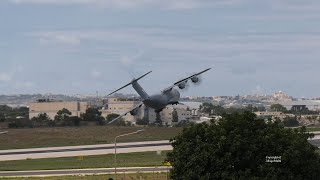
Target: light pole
[(115, 149)]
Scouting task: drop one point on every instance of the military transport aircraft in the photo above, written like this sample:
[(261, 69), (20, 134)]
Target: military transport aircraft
[(168, 96)]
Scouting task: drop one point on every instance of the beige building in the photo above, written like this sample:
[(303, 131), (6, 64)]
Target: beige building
[(121, 106), (51, 108)]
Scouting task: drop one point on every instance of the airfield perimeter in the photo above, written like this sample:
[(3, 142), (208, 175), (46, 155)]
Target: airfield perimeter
[(86, 135), (102, 136)]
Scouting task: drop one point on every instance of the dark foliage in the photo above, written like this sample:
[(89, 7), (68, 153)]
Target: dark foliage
[(8, 113), (143, 121), (290, 122), (93, 114), (175, 117), (237, 147)]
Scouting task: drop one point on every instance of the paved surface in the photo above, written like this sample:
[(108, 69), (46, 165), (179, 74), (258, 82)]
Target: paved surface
[(82, 171), (68, 151), (315, 132), (315, 142), (316, 136)]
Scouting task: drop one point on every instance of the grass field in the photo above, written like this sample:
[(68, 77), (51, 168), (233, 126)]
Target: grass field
[(140, 159), (69, 136), (138, 176)]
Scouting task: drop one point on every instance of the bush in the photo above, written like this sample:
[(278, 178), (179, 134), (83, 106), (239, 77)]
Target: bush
[(290, 122), (143, 121)]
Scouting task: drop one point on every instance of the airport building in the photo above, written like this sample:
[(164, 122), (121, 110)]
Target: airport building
[(121, 106), (52, 107), (313, 105)]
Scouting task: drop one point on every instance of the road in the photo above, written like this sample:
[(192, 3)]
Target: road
[(95, 171), (69, 151)]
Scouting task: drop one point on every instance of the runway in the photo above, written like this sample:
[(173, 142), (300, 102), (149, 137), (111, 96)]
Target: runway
[(95, 171), (69, 151), (86, 150)]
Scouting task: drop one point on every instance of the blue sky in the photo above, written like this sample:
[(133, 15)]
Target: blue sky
[(84, 46)]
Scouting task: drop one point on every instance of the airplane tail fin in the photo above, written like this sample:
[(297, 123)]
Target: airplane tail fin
[(136, 86)]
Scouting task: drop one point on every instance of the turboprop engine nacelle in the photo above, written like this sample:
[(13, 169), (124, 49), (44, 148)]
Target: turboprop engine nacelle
[(134, 112), (182, 85), (194, 79)]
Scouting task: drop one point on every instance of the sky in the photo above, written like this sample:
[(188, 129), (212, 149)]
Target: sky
[(84, 46)]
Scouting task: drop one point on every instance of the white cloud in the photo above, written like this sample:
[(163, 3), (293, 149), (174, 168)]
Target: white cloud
[(57, 38), (5, 77), (128, 61), (96, 74), (186, 41), (126, 4), (26, 84)]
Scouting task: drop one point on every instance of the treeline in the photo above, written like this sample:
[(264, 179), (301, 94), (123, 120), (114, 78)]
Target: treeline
[(8, 113), (64, 117), (209, 108), (302, 111), (289, 121)]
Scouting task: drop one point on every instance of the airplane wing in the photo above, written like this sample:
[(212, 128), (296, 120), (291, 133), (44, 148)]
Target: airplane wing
[(185, 80), (130, 83), (135, 108)]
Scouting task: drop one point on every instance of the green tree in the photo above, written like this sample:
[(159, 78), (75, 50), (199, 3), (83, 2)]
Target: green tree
[(237, 148), (207, 107), (290, 122), (2, 117), (75, 120), (63, 116), (5, 108), (41, 120), (158, 119), (278, 107), (175, 117), (12, 113), (93, 114), (143, 121), (43, 117)]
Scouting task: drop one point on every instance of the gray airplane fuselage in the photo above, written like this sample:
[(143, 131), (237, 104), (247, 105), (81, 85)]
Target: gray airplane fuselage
[(157, 101)]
